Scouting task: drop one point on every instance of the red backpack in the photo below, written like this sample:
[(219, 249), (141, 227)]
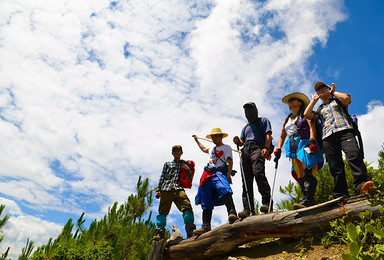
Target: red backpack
[(184, 180)]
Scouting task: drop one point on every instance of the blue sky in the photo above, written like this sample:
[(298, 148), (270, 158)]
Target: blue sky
[(94, 94), (354, 54)]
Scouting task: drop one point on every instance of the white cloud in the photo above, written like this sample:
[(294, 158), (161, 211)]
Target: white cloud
[(372, 131), (20, 227)]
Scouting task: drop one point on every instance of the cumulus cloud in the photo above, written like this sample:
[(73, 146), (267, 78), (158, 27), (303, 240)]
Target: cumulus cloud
[(94, 93), (20, 227)]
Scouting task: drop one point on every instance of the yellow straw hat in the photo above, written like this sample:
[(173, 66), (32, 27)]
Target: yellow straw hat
[(302, 97), (216, 131)]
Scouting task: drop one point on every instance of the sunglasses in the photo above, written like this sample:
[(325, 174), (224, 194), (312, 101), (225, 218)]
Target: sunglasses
[(321, 88)]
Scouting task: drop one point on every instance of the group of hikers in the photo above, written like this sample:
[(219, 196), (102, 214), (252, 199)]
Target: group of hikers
[(298, 135)]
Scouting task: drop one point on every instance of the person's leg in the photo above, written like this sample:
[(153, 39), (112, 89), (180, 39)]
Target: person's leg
[(335, 161), (247, 186), (164, 208), (258, 166), (207, 204), (228, 202), (354, 158), (310, 184), (184, 205), (207, 216)]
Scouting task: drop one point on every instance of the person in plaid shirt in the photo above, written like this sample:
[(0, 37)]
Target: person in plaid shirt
[(170, 190), (338, 136)]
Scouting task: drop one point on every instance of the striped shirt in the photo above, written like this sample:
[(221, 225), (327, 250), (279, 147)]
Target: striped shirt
[(170, 176), (333, 117)]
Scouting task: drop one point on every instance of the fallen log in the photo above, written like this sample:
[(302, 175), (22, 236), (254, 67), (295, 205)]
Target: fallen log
[(284, 224)]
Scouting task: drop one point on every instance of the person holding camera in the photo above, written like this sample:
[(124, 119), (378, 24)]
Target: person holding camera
[(215, 188), (170, 190), (338, 136), (256, 139)]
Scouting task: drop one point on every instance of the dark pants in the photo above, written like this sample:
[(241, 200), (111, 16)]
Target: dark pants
[(254, 168), (333, 146), (308, 185)]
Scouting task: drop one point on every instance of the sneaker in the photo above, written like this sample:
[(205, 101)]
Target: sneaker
[(264, 208), (232, 217), (243, 214), (200, 231), (367, 187), (298, 206)]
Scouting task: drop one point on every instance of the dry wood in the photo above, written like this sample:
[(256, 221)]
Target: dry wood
[(284, 224), (157, 250)]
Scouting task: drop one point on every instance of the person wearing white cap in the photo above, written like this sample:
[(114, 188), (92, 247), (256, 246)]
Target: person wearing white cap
[(338, 136), (301, 147), (215, 188)]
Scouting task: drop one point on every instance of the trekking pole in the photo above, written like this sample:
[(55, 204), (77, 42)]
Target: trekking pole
[(273, 186), (244, 181), (205, 139)]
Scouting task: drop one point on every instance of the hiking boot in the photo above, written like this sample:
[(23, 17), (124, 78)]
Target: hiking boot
[(189, 228), (264, 208), (298, 206), (201, 231), (159, 234), (243, 214), (232, 217), (367, 187)]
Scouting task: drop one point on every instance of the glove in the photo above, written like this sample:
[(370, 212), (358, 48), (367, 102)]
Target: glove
[(277, 154), (313, 146)]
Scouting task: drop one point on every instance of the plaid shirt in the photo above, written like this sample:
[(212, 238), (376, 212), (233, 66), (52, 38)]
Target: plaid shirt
[(333, 117), (170, 176)]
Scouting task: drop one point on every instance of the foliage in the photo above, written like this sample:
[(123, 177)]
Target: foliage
[(365, 238), (294, 192), (26, 251), (2, 223), (120, 234), (325, 184)]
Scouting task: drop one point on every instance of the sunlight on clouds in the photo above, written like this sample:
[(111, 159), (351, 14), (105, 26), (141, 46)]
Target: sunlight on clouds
[(20, 226), (372, 131)]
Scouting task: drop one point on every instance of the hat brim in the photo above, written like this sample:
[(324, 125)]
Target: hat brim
[(302, 97), (319, 84), (209, 136)]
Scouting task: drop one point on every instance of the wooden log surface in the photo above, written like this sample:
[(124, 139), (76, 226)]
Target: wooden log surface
[(157, 250), (283, 224)]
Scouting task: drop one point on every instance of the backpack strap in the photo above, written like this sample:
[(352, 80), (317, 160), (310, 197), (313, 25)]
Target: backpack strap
[(257, 124)]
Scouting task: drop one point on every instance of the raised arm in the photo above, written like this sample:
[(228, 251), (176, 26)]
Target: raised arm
[(201, 146), (343, 97), (308, 113)]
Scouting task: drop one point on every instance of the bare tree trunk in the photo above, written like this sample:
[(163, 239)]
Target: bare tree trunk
[(283, 224), (157, 250)]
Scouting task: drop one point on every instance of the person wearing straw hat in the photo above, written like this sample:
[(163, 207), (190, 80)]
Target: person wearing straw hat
[(215, 188), (256, 139), (301, 147), (169, 190), (338, 136)]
